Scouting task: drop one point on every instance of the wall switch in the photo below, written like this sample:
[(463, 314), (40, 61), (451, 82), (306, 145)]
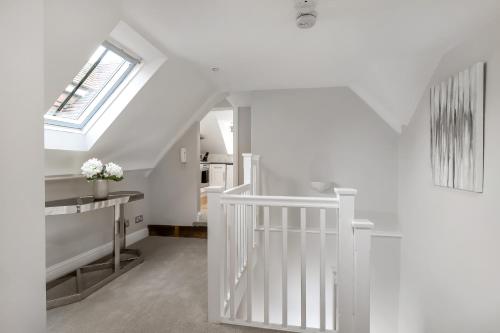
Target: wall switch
[(127, 223), (139, 218), (183, 153)]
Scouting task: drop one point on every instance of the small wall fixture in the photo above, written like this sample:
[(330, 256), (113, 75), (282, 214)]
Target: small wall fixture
[(183, 155), (306, 13)]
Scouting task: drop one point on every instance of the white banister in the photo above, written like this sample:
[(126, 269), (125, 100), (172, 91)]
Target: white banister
[(239, 255), (238, 189), (281, 201), (256, 164), (241, 244), (251, 177), (322, 263), (247, 168), (362, 251), (232, 259), (243, 237), (216, 236), (346, 260), (266, 265), (284, 267), (335, 312), (249, 266), (303, 273)]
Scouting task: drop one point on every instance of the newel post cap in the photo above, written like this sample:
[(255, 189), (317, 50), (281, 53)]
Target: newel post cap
[(346, 191)]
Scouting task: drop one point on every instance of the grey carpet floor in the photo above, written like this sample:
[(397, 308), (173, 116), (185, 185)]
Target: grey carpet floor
[(167, 293)]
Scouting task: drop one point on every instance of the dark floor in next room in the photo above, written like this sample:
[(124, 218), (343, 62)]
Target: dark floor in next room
[(167, 293)]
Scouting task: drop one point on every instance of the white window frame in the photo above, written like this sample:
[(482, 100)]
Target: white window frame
[(83, 139), (96, 105)]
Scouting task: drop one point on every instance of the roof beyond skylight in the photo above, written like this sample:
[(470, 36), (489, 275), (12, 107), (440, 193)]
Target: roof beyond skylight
[(96, 82)]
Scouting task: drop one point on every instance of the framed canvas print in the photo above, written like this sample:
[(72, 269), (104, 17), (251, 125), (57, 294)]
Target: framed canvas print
[(457, 130)]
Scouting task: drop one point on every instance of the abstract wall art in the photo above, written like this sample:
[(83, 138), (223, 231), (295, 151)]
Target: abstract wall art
[(457, 130)]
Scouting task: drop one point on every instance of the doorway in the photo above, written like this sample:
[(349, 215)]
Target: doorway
[(218, 167)]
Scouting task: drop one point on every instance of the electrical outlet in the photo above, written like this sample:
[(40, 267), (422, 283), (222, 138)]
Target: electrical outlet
[(139, 218)]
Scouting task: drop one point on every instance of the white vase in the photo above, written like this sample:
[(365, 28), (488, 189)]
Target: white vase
[(101, 189)]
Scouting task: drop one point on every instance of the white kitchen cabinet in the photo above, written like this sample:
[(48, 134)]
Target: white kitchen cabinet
[(229, 176), (217, 175)]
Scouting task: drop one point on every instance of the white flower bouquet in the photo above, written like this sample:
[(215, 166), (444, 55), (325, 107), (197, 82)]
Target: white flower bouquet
[(94, 169)]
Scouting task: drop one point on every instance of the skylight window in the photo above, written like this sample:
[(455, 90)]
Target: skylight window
[(96, 82)]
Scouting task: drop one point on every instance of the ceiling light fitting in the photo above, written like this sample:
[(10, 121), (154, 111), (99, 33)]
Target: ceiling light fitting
[(306, 13)]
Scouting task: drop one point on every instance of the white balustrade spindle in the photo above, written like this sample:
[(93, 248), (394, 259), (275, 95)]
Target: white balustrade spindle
[(266, 265), (303, 272), (284, 267)]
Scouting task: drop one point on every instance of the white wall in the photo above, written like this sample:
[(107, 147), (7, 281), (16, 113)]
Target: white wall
[(70, 235), (385, 277), (450, 270), (244, 137), (22, 243), (327, 134), (175, 187)]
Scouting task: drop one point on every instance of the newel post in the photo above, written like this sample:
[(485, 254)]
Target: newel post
[(251, 175), (362, 274), (247, 168), (215, 252), (256, 174), (346, 260), (251, 171)]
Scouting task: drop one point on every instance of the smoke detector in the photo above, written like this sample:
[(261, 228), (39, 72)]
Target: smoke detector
[(306, 21), (306, 13)]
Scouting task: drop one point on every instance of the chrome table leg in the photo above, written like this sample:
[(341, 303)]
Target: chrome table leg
[(116, 240)]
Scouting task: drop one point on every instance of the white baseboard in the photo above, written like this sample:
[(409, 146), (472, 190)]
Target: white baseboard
[(69, 265)]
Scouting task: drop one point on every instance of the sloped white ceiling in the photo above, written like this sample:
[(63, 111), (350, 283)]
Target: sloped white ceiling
[(151, 121), (385, 50)]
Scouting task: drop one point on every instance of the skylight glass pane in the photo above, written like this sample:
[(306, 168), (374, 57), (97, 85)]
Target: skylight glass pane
[(90, 88), (76, 80)]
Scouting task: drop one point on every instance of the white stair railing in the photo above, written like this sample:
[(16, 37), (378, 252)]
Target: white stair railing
[(232, 223)]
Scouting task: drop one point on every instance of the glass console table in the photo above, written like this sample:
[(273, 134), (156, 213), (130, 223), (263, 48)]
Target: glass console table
[(115, 262)]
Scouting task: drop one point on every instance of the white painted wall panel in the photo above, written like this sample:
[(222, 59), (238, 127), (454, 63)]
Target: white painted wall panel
[(327, 134), (175, 186), (449, 257), (22, 242)]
